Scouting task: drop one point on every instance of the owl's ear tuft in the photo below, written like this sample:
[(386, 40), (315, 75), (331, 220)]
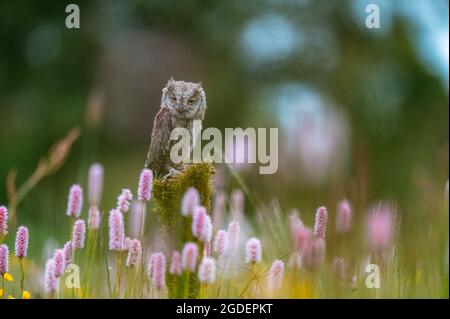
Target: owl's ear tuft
[(170, 83), (199, 85)]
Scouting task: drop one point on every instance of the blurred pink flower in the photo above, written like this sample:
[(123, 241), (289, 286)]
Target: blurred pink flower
[(380, 227), (175, 263), (75, 202), (95, 184), (134, 253), (343, 217), (191, 199), (221, 242), (59, 262), (276, 275), (116, 230), (124, 200), (94, 218), (189, 257), (158, 270), (207, 270), (253, 251)]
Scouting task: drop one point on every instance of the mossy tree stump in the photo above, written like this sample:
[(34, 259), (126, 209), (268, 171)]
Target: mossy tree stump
[(167, 195)]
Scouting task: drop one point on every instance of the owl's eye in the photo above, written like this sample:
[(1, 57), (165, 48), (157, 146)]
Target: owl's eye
[(191, 101), (174, 98)]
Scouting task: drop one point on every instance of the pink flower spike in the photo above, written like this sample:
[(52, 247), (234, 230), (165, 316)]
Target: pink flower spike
[(3, 221), (95, 184), (207, 270), (158, 270), (75, 202), (314, 253), (4, 259), (344, 217), (59, 262), (198, 222), (302, 237), (207, 231), (380, 227), (22, 242), (233, 237), (78, 234), (94, 218), (124, 200), (221, 242), (189, 257), (116, 230), (68, 253), (175, 264), (191, 199), (145, 185), (320, 225), (50, 280), (134, 253), (219, 209), (295, 222), (276, 275), (253, 251)]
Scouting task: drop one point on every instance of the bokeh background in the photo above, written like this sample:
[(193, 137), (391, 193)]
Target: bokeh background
[(362, 113)]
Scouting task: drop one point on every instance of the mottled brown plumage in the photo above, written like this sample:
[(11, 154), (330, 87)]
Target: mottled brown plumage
[(181, 104)]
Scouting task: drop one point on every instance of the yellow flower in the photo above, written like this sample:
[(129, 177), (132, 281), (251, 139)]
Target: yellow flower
[(1, 292), (8, 276), (26, 294), (10, 297)]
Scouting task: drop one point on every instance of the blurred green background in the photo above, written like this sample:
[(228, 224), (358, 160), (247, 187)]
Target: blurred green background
[(361, 113)]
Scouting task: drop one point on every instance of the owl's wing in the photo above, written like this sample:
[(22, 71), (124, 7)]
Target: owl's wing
[(159, 146)]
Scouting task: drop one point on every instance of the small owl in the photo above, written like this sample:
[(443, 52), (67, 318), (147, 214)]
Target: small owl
[(181, 104)]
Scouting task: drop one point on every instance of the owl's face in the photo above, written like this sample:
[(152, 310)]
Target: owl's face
[(186, 99)]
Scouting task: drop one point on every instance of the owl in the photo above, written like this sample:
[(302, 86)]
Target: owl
[(181, 104)]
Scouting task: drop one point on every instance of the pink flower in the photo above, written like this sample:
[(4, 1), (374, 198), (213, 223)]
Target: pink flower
[(320, 225), (207, 270), (22, 242), (233, 237), (191, 199), (380, 227), (94, 218), (75, 201), (145, 185), (3, 221), (221, 242), (78, 234), (313, 253), (68, 253), (199, 221), (158, 270), (175, 263), (295, 222), (189, 257), (302, 237), (344, 217), (137, 218), (276, 275), (253, 251), (95, 184), (4, 259), (116, 230), (207, 231), (134, 253), (50, 280), (59, 262), (124, 200)]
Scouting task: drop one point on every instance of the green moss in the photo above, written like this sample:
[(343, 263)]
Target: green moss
[(167, 195)]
